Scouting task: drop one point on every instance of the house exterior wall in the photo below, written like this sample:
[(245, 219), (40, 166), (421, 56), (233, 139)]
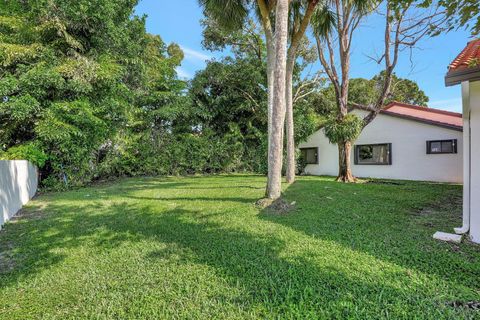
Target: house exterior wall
[(18, 184), (474, 103), (410, 160), (466, 159)]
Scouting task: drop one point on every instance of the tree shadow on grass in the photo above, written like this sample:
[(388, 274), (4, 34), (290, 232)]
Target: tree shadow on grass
[(270, 283), (195, 198), (271, 280), (386, 222)]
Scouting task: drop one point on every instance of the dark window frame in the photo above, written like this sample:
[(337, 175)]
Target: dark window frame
[(316, 154), (454, 145), (357, 154)]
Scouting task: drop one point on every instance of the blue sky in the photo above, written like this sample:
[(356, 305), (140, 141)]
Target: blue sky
[(179, 22)]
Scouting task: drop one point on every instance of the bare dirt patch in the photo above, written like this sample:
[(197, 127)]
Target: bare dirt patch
[(7, 263), (30, 213), (450, 203), (279, 206), (387, 182), (473, 305)]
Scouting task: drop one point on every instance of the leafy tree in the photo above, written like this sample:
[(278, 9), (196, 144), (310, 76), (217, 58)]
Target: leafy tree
[(229, 98), (248, 43), (462, 13), (406, 23), (230, 91), (231, 15), (73, 76), (244, 42), (141, 145), (366, 92), (361, 91), (402, 90)]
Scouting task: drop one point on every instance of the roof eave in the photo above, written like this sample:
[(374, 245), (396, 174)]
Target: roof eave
[(455, 77), (431, 122)]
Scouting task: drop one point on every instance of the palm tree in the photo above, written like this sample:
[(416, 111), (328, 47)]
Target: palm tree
[(275, 152), (298, 24), (231, 14)]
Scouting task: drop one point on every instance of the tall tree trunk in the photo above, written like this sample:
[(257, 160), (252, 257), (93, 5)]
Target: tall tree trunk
[(274, 183), (344, 166), (270, 43), (299, 28), (291, 163), (270, 80)]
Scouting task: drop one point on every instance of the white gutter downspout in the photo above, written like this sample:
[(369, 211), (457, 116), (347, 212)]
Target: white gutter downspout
[(466, 172), (467, 166)]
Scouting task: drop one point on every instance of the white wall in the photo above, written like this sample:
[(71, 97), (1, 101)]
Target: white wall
[(475, 161), (409, 158), (18, 184)]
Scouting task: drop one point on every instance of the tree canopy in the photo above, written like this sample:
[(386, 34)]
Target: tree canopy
[(87, 93), (462, 13), (73, 74), (365, 92)]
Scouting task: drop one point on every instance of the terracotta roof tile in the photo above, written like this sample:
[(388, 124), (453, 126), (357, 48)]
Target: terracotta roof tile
[(469, 57), (428, 115)]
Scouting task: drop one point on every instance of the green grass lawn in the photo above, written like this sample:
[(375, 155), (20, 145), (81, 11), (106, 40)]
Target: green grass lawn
[(198, 248)]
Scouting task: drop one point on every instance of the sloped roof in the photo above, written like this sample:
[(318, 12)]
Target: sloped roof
[(469, 57), (466, 66), (442, 118)]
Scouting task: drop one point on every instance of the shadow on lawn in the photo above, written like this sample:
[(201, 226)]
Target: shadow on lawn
[(255, 262), (180, 183), (279, 285), (193, 198), (392, 223)]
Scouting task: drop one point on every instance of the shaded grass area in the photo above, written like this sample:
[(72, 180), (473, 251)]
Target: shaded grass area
[(198, 248)]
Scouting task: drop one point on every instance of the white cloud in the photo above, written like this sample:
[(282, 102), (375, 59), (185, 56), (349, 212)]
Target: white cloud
[(182, 73), (191, 54), (447, 104)]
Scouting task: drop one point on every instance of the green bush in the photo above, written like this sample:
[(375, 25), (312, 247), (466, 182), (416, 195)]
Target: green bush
[(28, 151), (180, 154)]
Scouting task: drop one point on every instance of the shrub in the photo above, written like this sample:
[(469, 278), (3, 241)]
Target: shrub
[(28, 151)]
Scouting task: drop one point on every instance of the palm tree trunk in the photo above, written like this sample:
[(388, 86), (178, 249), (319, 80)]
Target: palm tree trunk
[(275, 151), (270, 43), (344, 165), (270, 78), (291, 164), (291, 56)]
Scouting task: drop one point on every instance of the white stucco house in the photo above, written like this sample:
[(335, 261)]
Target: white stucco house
[(465, 70), (404, 142)]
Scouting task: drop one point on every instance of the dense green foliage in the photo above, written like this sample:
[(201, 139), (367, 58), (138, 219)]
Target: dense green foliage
[(339, 130), (229, 99), (235, 88), (462, 13), (365, 92), (88, 94), (197, 248), (70, 74), (402, 90), (28, 151)]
